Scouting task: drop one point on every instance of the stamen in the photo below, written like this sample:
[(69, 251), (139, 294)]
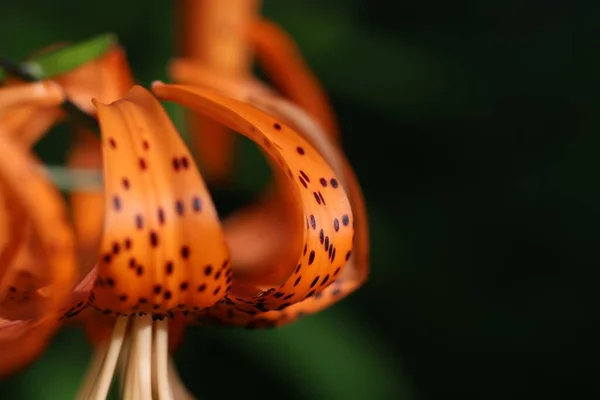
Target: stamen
[(139, 346), (161, 349), (101, 378)]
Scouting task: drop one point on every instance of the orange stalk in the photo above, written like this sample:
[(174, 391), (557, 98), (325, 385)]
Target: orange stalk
[(214, 32)]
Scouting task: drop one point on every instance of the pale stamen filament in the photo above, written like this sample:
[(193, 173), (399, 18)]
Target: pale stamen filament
[(139, 347)]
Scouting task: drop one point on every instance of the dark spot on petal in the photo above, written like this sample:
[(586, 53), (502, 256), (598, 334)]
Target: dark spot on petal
[(125, 183), (183, 286), (145, 145), (116, 203), (345, 220), (334, 183), (140, 270), (161, 216), (317, 198), (217, 290), (303, 182), (196, 204), (336, 225), (305, 176), (184, 162), (167, 295), (297, 281), (179, 207), (202, 287), (298, 268), (112, 143), (208, 270), (300, 150), (311, 257), (321, 236), (313, 222), (157, 289), (153, 239), (323, 182), (143, 164), (176, 164), (127, 244), (123, 297), (348, 254), (277, 126), (314, 282), (169, 268), (139, 221), (185, 252)]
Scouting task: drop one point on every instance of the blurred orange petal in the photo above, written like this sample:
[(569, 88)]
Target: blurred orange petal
[(44, 93), (50, 274), (282, 61), (319, 217), (214, 33)]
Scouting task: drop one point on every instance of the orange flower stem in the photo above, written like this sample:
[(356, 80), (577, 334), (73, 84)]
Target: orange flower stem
[(214, 32), (78, 115)]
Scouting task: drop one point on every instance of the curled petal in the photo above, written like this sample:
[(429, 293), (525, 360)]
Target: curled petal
[(26, 125), (44, 93), (356, 271), (27, 110), (162, 249), (279, 56), (318, 212), (50, 275)]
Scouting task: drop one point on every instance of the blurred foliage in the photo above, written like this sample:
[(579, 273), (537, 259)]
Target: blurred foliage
[(473, 128)]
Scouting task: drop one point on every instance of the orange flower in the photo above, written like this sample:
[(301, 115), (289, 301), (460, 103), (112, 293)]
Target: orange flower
[(164, 255)]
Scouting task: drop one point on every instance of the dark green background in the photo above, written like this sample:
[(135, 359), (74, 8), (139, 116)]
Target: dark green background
[(473, 127)]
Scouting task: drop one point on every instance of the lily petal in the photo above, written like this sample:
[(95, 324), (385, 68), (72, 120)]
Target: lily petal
[(163, 248), (27, 110), (44, 93), (22, 340), (319, 211)]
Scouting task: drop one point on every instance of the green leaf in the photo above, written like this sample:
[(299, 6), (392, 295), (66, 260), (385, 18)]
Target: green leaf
[(67, 58)]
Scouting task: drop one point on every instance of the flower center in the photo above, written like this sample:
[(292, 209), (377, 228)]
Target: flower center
[(139, 347)]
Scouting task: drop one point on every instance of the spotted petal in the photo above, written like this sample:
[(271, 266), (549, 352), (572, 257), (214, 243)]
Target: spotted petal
[(163, 248), (317, 207)]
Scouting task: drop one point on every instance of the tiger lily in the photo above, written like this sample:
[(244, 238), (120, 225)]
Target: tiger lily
[(239, 296), (293, 253)]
